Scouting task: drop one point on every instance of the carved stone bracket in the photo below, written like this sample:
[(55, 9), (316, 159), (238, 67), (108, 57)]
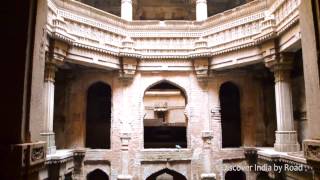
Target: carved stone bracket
[(201, 67), (251, 155), (125, 139), (207, 136), (57, 52), (215, 113), (129, 67), (280, 65)]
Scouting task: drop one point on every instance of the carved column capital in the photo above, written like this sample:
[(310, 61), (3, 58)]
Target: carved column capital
[(126, 1), (201, 1), (280, 65), (50, 72)]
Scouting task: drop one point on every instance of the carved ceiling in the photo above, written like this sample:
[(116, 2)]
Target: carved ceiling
[(165, 9)]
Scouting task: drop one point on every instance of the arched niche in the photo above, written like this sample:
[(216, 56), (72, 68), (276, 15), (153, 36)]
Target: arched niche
[(166, 174), (165, 123), (229, 96), (97, 174), (98, 116)]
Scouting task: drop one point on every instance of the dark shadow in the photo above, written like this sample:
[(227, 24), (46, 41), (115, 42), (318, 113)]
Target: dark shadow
[(97, 175), (230, 115), (263, 176), (98, 116), (235, 175), (175, 175)]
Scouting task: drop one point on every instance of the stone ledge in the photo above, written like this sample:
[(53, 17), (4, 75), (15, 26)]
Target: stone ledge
[(166, 155), (208, 176)]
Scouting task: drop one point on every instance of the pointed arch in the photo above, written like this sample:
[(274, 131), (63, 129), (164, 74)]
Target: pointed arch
[(175, 175), (165, 81), (165, 123)]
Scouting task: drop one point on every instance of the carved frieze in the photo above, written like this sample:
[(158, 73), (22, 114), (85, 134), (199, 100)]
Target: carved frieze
[(312, 150), (252, 24)]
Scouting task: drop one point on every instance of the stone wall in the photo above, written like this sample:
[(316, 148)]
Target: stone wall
[(202, 98)]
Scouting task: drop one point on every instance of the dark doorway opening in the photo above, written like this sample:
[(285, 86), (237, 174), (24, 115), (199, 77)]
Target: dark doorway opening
[(230, 115), (97, 175), (166, 174), (165, 125), (98, 116), (235, 175)]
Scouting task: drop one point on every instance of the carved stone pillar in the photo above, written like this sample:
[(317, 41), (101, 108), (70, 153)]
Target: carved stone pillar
[(125, 139), (50, 70), (286, 136), (216, 126), (201, 10), (126, 10), (207, 170)]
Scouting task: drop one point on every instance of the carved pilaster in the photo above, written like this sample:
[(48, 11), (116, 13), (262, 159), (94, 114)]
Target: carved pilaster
[(125, 139)]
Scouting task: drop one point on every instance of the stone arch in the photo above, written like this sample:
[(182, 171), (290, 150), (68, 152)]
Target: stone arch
[(229, 96), (183, 89), (165, 123), (97, 174), (168, 172), (235, 175), (98, 116)]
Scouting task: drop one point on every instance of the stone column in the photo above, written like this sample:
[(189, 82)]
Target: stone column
[(126, 10), (50, 70), (201, 10), (125, 138), (311, 70), (286, 136)]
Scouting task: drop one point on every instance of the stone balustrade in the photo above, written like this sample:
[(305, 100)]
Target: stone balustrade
[(96, 31)]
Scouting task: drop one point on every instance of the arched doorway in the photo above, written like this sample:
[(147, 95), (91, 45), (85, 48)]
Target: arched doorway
[(97, 175), (165, 124), (235, 175), (98, 119), (166, 174), (230, 115)]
